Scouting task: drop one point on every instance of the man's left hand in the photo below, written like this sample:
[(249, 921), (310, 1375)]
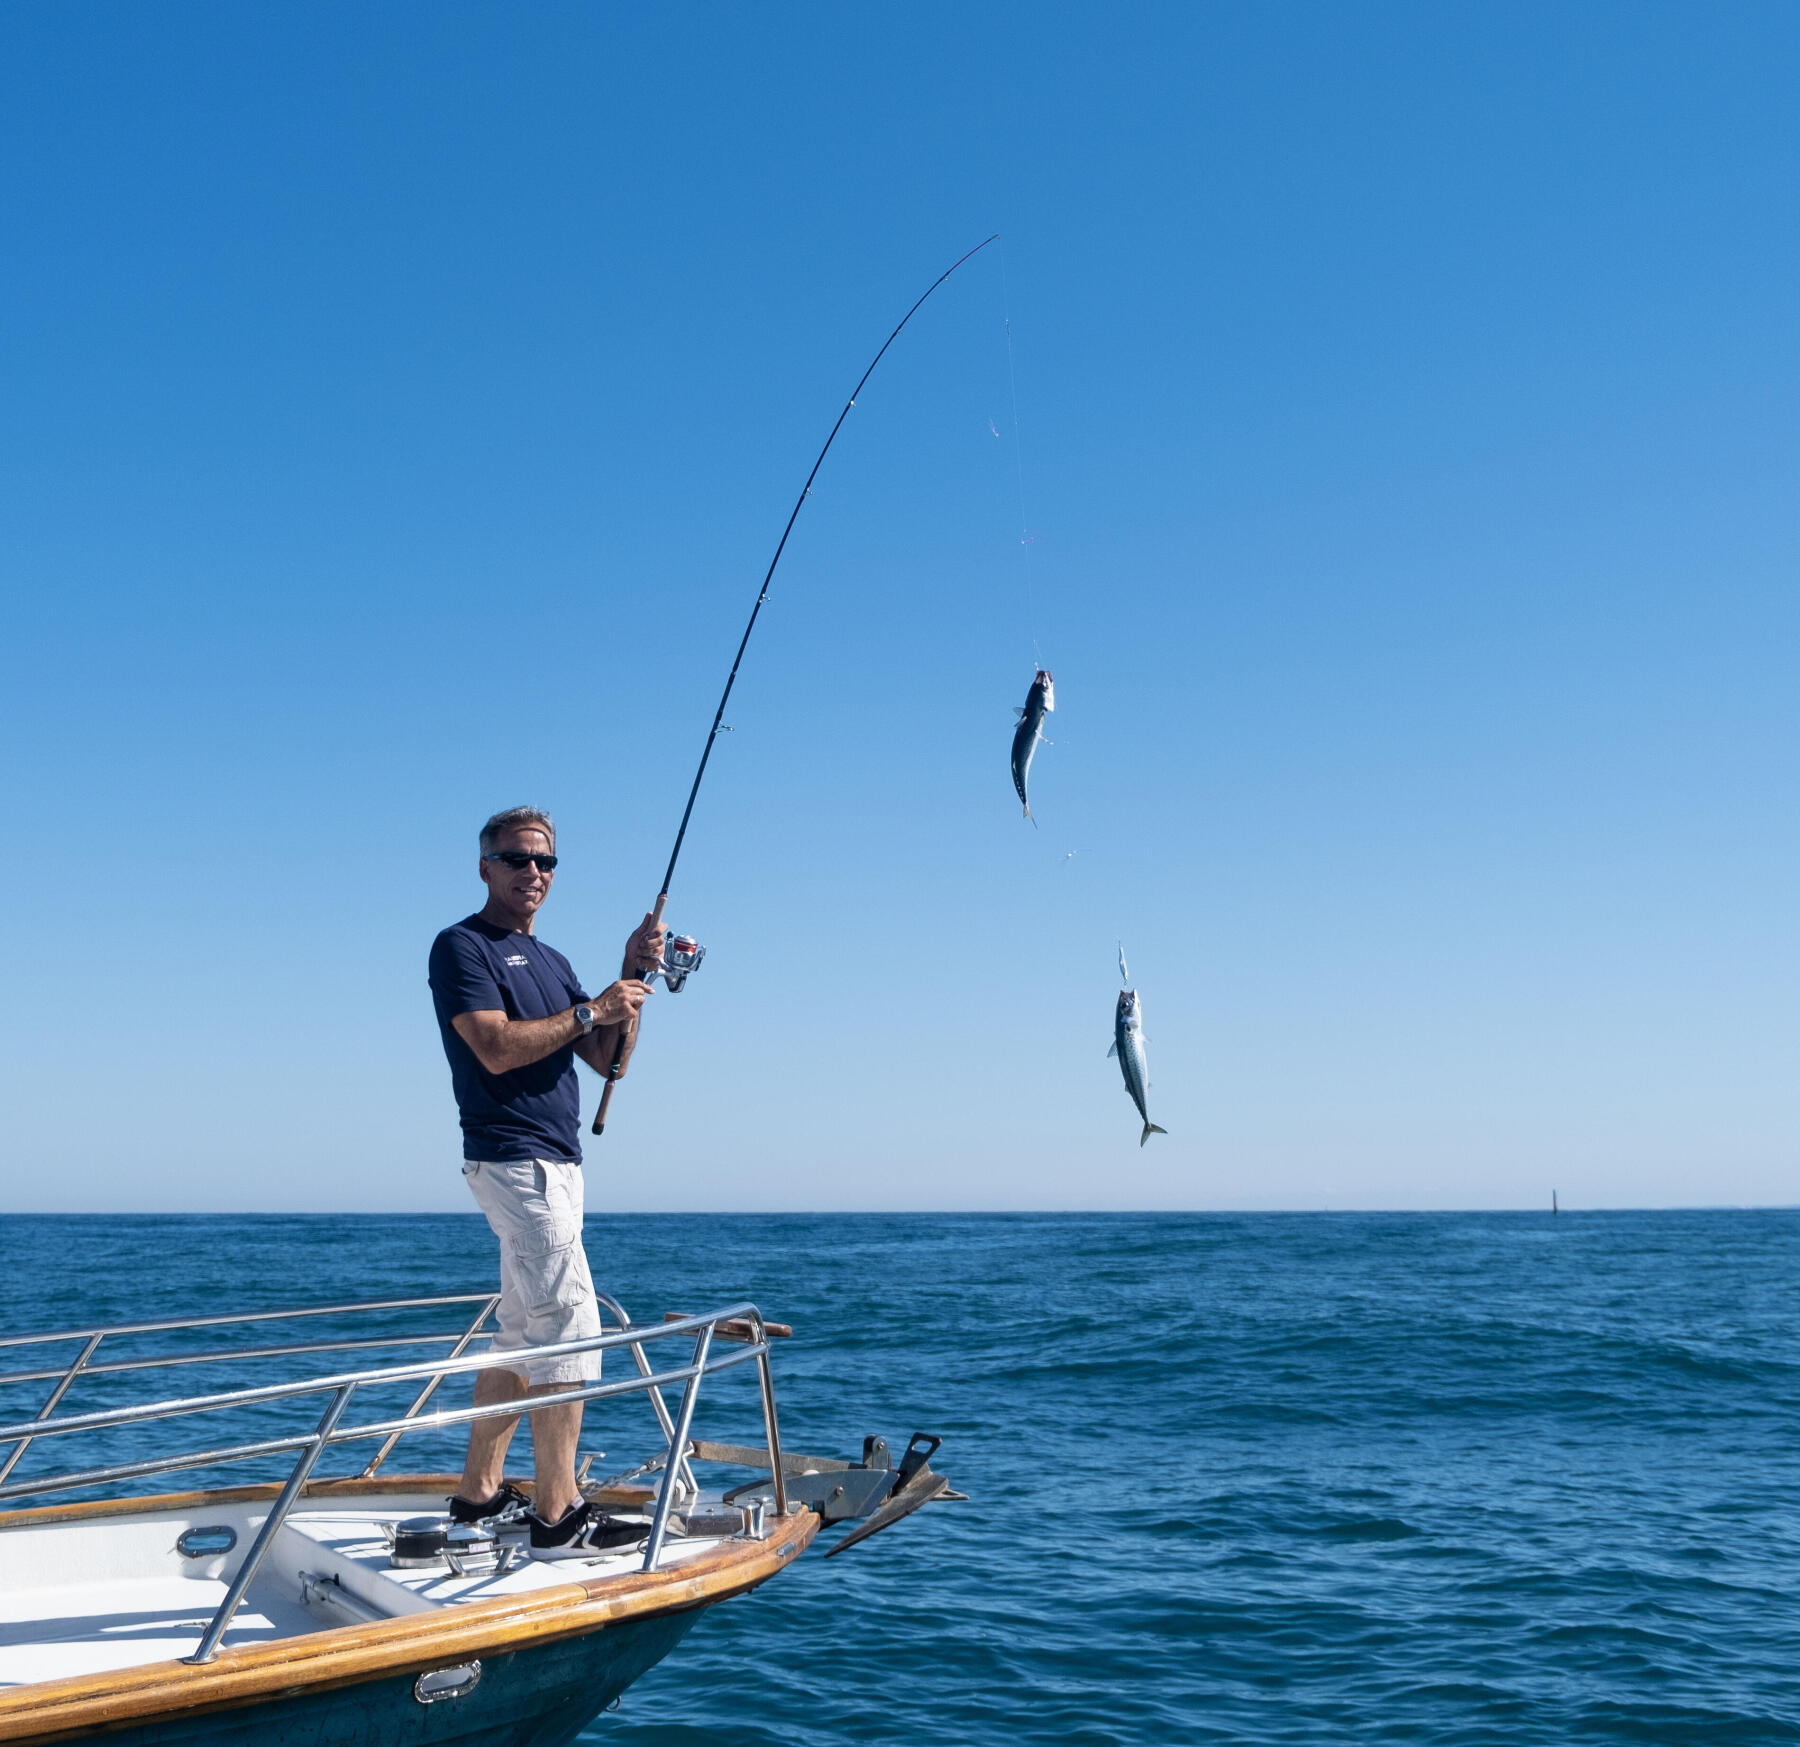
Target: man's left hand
[(644, 950)]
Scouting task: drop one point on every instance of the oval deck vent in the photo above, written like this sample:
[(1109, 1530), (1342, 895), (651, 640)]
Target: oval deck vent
[(206, 1542), (441, 1683)]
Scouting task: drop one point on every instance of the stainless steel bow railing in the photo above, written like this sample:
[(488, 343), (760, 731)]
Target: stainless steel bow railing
[(342, 1386)]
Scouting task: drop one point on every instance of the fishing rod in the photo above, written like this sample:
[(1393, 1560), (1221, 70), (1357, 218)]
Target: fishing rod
[(685, 955)]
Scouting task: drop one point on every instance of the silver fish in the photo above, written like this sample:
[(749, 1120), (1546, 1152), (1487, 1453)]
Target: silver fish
[(1039, 702), (1128, 1046)]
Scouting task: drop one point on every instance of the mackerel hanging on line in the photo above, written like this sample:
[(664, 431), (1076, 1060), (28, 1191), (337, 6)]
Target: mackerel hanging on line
[(1128, 1046), (1039, 702)]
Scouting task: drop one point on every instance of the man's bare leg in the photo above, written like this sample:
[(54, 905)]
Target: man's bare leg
[(555, 1431), (485, 1467)]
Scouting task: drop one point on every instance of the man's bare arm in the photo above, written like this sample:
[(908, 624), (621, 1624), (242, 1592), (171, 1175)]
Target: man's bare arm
[(643, 952), (596, 1049), (501, 1044)]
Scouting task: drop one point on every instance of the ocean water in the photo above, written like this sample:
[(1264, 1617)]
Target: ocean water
[(1449, 1478)]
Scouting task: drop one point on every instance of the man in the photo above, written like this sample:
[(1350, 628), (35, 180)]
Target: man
[(514, 1017)]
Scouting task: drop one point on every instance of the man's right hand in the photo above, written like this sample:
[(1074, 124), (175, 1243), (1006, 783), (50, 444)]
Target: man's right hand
[(618, 1003)]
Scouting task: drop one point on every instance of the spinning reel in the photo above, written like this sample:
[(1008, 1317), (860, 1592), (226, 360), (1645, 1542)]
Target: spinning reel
[(681, 958)]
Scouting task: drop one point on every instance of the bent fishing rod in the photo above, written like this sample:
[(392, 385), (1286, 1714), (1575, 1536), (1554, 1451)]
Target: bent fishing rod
[(688, 955)]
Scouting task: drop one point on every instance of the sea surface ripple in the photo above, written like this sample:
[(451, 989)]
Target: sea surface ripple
[(1482, 1479)]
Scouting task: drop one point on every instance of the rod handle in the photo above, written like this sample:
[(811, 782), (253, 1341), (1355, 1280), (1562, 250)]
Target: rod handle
[(612, 1073)]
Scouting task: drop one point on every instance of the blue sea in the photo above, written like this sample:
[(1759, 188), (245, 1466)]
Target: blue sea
[(1450, 1478)]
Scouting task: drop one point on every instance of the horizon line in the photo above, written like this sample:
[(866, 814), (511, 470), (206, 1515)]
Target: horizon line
[(888, 1213)]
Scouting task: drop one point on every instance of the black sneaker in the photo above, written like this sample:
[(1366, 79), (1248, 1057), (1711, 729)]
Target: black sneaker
[(584, 1533), (508, 1501)]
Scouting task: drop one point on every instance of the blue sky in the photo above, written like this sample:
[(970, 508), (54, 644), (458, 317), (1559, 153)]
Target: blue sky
[(402, 404)]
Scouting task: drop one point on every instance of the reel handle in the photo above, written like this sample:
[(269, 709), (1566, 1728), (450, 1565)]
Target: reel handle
[(612, 1073)]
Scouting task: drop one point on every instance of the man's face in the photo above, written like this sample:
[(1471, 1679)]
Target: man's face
[(522, 889)]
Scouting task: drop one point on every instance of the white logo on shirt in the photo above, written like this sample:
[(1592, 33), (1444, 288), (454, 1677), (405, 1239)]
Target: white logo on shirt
[(517, 958)]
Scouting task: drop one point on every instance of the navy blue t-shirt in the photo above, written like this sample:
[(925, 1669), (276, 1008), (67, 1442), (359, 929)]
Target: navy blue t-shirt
[(533, 1112)]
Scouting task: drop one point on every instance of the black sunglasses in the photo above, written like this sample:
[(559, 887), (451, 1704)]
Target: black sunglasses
[(517, 859)]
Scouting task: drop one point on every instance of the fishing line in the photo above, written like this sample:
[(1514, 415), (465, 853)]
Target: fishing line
[(1012, 386), (762, 595)]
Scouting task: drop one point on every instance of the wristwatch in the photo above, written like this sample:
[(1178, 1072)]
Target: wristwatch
[(584, 1017)]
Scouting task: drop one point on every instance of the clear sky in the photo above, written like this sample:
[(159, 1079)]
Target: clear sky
[(402, 402)]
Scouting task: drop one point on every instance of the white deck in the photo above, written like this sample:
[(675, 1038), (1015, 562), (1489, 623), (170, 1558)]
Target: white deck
[(48, 1634), (112, 1592)]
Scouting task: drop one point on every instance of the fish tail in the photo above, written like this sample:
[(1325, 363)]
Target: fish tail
[(1028, 813), (1150, 1128)]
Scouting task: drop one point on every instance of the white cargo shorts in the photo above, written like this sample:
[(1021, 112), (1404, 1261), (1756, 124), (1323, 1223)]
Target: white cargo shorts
[(546, 1292)]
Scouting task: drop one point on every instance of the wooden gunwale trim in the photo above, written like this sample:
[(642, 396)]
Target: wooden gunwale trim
[(382, 1486), (350, 1655)]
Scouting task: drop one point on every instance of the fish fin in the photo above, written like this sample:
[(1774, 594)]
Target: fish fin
[(1028, 815), (1112, 1049), (1018, 714), (1150, 1128)]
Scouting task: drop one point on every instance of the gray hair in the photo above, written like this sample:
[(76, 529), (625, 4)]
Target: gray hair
[(517, 819)]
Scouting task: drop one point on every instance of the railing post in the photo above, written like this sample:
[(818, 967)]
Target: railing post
[(49, 1407), (425, 1394), (678, 1439), (309, 1456), (770, 1429)]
